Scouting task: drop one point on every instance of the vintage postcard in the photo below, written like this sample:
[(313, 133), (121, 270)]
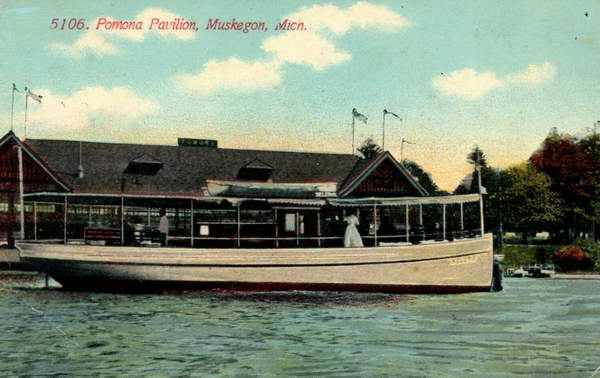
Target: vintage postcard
[(293, 188)]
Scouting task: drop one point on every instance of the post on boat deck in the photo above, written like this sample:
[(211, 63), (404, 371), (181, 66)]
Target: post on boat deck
[(375, 223), (444, 221), (35, 221), (89, 215), (406, 222), (420, 213), (297, 229), (276, 230), (192, 223), (122, 221), (481, 211), (65, 221), (238, 224), (462, 220), (319, 228)]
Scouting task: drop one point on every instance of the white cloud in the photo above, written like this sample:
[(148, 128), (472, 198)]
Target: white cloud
[(77, 111), (313, 47), (305, 48), (231, 74), (534, 75), (361, 15), (468, 84), (101, 41)]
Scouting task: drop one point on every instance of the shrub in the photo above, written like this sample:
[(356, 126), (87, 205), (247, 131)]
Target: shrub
[(572, 258), (590, 247)]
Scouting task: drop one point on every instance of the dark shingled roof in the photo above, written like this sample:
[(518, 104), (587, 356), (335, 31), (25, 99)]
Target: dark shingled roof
[(184, 169)]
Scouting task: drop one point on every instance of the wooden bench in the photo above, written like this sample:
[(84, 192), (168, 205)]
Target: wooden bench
[(109, 235)]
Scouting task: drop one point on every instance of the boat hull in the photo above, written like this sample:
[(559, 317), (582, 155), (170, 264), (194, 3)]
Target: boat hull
[(455, 267)]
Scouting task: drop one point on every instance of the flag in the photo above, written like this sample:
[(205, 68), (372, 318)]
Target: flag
[(33, 96), (361, 117), (15, 88), (385, 111)]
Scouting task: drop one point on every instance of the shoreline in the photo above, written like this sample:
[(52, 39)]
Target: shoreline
[(576, 276)]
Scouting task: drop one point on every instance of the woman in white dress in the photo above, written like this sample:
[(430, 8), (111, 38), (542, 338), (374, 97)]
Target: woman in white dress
[(352, 236)]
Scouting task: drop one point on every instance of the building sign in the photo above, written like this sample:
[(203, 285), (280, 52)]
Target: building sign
[(190, 142)]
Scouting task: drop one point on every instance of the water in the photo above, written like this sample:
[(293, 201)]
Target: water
[(535, 327)]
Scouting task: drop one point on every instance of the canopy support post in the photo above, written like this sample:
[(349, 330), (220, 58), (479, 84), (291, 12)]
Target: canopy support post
[(481, 213), (406, 222), (238, 225), (297, 229), (420, 213), (65, 221), (462, 219), (276, 230), (319, 228), (122, 221), (35, 221), (444, 221), (375, 224), (192, 223)]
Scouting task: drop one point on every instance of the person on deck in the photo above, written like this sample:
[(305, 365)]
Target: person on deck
[(352, 236), (163, 227)]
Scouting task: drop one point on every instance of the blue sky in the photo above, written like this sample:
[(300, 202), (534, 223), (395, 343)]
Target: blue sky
[(496, 74)]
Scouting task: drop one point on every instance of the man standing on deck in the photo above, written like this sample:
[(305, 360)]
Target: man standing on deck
[(163, 227)]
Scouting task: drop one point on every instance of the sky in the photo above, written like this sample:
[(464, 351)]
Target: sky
[(498, 74)]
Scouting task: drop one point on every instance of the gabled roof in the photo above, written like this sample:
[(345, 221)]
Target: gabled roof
[(39, 160), (364, 168), (185, 169)]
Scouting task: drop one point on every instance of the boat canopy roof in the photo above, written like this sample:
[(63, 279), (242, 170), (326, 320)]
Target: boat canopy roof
[(114, 199), (402, 201)]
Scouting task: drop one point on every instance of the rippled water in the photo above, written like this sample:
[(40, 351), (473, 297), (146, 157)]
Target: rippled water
[(534, 327)]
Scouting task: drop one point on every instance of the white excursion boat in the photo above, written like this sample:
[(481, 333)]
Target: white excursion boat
[(440, 267), (130, 217)]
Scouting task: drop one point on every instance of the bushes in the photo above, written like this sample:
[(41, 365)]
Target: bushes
[(516, 255), (572, 258)]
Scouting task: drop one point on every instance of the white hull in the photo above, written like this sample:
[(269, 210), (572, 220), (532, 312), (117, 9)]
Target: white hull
[(459, 266)]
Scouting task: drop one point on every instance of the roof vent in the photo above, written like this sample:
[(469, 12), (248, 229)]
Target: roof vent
[(189, 142), (255, 170), (143, 165)]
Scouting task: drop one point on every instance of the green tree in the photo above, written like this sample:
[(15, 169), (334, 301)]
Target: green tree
[(422, 176), (573, 166), (369, 149), (477, 158), (527, 202)]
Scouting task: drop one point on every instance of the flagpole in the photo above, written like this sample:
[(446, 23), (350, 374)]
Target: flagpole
[(353, 132), (21, 199), (12, 108), (383, 131), (25, 115)]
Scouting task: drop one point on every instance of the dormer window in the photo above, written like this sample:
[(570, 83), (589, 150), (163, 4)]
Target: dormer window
[(144, 165), (255, 170)]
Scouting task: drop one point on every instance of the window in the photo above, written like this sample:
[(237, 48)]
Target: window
[(290, 222)]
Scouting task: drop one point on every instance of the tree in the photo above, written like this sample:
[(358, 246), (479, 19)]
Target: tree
[(369, 149), (477, 158), (527, 201), (422, 176), (573, 167)]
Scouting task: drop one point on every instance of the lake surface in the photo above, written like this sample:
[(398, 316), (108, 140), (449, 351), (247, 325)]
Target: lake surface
[(533, 328)]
